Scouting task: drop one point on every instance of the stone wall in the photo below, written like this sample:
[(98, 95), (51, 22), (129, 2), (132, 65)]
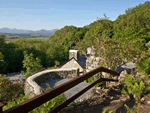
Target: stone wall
[(31, 85), (92, 63)]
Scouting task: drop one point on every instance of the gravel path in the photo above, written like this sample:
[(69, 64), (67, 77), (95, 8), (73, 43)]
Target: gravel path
[(15, 76)]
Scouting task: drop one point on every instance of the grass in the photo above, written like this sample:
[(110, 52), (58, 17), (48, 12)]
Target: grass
[(39, 38), (52, 68)]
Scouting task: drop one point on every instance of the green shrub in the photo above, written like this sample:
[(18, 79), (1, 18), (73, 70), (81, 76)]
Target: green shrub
[(93, 79), (105, 110), (129, 110), (132, 86), (8, 90), (32, 65), (144, 66), (44, 108)]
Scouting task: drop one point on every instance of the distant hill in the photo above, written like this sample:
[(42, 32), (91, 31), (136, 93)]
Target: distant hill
[(30, 32)]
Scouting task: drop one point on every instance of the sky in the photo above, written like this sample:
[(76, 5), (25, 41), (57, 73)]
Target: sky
[(55, 14)]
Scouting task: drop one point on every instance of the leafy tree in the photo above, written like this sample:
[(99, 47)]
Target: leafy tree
[(8, 90), (144, 66), (32, 65), (3, 65), (38, 48), (2, 38), (134, 23), (96, 29)]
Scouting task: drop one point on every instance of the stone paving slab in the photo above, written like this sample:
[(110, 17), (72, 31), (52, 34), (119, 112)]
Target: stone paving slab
[(129, 65), (72, 91), (15, 76)]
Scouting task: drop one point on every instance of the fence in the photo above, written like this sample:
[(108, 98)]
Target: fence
[(38, 100)]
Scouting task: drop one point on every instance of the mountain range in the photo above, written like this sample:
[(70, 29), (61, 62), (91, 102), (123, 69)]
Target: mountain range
[(29, 32)]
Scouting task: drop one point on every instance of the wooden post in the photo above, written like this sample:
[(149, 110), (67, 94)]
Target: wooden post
[(1, 107), (78, 72)]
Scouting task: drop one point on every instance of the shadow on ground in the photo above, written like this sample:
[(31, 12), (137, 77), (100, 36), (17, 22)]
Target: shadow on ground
[(97, 105)]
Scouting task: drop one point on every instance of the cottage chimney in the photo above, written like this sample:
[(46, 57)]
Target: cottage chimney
[(73, 53)]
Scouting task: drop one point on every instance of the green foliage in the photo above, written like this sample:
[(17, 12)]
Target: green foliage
[(65, 39), (129, 110), (132, 86), (32, 65), (105, 110), (38, 48), (8, 90), (98, 28), (93, 79), (52, 68), (2, 38), (2, 63), (44, 108), (57, 63), (113, 51), (144, 66), (10, 57), (135, 23)]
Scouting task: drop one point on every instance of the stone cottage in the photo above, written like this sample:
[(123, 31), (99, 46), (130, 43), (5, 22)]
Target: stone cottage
[(91, 62), (75, 61)]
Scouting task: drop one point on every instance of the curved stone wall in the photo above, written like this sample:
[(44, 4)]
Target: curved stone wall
[(31, 85)]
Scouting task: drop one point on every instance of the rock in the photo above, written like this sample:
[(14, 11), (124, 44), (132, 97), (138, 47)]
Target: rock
[(89, 50), (98, 92), (92, 58), (123, 99), (97, 59), (105, 90), (116, 98), (103, 95), (142, 76), (105, 75), (111, 84), (98, 88), (95, 63), (123, 73), (115, 101), (137, 75), (142, 99), (148, 102), (111, 97)]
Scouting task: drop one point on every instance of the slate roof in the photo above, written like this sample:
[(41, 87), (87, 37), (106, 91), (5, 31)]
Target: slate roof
[(82, 61)]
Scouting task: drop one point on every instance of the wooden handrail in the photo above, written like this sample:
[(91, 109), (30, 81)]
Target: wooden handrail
[(38, 100), (67, 102)]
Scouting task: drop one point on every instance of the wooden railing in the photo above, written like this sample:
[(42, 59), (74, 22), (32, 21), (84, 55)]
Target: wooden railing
[(38, 100)]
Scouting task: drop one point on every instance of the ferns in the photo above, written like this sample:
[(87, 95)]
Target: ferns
[(133, 86)]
